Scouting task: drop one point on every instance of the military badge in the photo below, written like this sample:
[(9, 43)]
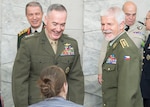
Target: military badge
[(68, 50), (67, 70), (148, 57), (139, 27), (111, 59)]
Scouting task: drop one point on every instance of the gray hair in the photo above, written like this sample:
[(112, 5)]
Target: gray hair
[(114, 11), (57, 7), (34, 3)]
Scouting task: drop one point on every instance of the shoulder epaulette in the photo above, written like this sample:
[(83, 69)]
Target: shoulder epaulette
[(141, 22), (24, 31), (124, 43)]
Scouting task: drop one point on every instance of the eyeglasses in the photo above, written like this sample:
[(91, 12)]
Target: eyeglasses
[(147, 18)]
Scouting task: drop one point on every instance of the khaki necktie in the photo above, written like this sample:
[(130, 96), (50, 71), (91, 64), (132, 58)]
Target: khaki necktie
[(54, 46)]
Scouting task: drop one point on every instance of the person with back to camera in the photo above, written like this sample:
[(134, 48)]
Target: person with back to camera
[(54, 87), (34, 15), (49, 47)]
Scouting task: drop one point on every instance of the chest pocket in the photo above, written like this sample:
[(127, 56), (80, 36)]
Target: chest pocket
[(110, 74), (65, 62), (38, 62)]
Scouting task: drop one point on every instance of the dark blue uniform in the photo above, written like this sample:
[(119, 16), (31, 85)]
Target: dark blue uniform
[(145, 80)]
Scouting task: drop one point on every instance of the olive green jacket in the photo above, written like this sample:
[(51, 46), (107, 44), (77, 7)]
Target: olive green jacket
[(121, 74), (36, 53)]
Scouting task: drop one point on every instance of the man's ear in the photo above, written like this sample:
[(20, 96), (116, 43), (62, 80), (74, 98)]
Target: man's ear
[(122, 25), (65, 87), (45, 20)]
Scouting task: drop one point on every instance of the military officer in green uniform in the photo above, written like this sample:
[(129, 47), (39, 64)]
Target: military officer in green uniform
[(36, 52), (34, 14), (135, 29), (121, 67)]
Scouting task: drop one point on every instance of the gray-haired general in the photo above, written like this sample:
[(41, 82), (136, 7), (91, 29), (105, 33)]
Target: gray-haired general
[(49, 47), (121, 75), (134, 28)]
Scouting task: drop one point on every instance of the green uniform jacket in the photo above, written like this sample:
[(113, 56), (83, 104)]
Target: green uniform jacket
[(24, 33), (121, 74), (137, 33), (36, 53)]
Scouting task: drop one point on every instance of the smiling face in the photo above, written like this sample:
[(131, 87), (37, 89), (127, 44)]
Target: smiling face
[(110, 27), (34, 15), (55, 24)]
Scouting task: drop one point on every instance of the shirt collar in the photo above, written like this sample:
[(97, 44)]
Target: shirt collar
[(111, 42), (38, 29)]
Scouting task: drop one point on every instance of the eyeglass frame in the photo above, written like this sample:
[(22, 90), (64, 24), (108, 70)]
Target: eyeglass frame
[(147, 18)]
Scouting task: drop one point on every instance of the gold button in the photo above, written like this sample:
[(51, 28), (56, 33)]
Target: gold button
[(143, 57)]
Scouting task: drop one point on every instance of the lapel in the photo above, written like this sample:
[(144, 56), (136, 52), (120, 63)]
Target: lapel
[(114, 45), (48, 48), (45, 43), (60, 46)]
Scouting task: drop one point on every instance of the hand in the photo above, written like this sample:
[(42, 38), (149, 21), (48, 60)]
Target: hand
[(100, 78)]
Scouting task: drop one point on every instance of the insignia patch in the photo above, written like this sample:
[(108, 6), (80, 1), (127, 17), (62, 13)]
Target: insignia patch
[(115, 44), (124, 43), (126, 57), (68, 50), (139, 27), (111, 59), (67, 70)]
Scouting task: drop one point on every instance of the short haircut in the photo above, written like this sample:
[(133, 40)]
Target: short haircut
[(35, 4), (114, 11), (57, 7)]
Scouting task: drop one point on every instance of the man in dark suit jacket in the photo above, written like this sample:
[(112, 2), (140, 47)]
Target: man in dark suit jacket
[(37, 52), (34, 14), (122, 64), (145, 80)]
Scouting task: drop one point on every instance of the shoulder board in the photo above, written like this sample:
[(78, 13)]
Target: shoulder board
[(141, 22), (124, 43), (24, 31), (32, 34)]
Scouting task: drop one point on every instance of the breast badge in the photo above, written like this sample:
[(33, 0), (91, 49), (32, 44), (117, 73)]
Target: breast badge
[(148, 57), (68, 50), (111, 59)]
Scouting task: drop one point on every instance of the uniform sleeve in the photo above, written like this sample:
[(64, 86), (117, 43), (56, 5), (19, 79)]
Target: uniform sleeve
[(129, 72), (76, 79), (102, 55), (20, 76)]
